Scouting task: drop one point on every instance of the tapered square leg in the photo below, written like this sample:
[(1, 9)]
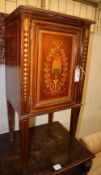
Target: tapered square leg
[(24, 138), (11, 120), (74, 120), (50, 118)]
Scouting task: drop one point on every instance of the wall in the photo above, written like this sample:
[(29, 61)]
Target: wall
[(90, 114), (90, 120), (9, 5), (72, 8)]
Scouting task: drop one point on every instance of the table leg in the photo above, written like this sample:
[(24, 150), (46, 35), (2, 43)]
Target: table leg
[(50, 118), (74, 120), (24, 137), (11, 120)]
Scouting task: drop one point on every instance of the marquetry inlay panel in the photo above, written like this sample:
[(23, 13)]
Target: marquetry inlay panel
[(56, 59), (55, 64), (25, 56), (84, 57)]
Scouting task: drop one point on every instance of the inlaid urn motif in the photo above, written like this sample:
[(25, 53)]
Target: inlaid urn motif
[(56, 62)]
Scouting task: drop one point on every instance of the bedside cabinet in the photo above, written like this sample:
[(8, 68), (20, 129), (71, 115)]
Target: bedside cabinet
[(45, 55)]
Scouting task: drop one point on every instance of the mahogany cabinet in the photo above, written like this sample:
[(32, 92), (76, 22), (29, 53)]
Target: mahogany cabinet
[(45, 55)]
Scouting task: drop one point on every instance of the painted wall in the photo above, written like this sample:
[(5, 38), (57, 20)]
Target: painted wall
[(90, 120), (9, 5), (72, 8)]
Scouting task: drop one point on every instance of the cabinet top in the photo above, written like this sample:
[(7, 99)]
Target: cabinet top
[(47, 15)]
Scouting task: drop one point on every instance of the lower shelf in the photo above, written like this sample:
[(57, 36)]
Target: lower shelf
[(49, 146)]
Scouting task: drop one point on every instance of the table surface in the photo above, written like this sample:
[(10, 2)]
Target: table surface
[(49, 146)]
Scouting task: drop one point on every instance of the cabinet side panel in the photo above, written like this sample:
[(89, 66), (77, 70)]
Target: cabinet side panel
[(13, 63)]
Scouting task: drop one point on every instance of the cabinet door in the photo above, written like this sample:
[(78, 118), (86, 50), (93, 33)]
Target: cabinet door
[(55, 55)]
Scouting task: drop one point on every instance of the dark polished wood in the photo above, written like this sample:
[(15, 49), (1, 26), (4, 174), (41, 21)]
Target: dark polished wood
[(46, 150), (24, 136), (74, 120), (50, 118), (86, 167), (11, 120), (43, 51), (1, 169)]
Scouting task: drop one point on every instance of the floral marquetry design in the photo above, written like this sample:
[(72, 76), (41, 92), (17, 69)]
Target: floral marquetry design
[(55, 65), (55, 69)]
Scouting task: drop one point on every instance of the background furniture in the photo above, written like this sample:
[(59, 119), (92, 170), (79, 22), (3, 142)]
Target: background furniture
[(44, 53), (93, 143), (48, 147)]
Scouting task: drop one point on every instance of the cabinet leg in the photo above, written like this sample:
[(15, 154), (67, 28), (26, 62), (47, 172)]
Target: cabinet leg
[(24, 137), (50, 118), (11, 120), (74, 120)]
